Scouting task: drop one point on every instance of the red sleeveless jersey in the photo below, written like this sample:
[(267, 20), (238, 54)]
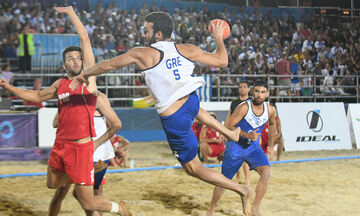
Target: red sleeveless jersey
[(76, 112), (212, 134)]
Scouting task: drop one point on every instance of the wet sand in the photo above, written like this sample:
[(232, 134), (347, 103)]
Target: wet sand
[(323, 188)]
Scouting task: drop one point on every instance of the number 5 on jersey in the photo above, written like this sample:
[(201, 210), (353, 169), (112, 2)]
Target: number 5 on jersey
[(176, 74)]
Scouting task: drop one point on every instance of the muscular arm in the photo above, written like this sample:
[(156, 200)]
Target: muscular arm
[(272, 129), (30, 95), (218, 59), (114, 123), (56, 120), (278, 128), (131, 56), (238, 114), (85, 45)]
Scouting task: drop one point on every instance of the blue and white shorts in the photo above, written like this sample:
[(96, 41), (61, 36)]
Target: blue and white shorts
[(235, 155), (178, 130)]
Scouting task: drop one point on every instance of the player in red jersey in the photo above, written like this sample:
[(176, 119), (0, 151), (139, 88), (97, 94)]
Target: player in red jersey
[(71, 159), (121, 147), (278, 139), (210, 142)]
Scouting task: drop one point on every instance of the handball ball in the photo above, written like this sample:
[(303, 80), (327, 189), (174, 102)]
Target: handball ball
[(224, 24)]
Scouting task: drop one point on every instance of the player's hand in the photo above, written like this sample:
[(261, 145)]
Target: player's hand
[(4, 83), (254, 135), (218, 30), (78, 81), (67, 9)]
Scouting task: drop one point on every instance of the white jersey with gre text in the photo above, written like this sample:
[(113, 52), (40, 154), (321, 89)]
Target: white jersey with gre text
[(105, 151), (170, 79)]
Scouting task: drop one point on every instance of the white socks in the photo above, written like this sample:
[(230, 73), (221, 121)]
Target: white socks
[(114, 207)]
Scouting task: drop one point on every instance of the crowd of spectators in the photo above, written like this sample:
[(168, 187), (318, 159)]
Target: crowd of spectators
[(260, 44)]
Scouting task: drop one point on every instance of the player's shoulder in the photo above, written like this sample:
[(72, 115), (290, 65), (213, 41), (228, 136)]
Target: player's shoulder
[(271, 109)]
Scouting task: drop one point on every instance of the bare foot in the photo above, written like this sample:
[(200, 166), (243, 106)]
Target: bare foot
[(255, 212), (245, 201), (123, 210), (235, 134), (210, 212)]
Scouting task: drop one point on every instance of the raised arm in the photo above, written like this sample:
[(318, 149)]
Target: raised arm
[(218, 59), (86, 49), (31, 95), (114, 123)]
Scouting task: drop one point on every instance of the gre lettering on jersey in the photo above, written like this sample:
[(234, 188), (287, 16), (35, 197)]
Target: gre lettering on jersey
[(64, 97), (173, 64)]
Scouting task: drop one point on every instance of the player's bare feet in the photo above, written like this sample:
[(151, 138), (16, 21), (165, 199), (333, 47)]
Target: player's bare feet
[(245, 201), (235, 134), (123, 210), (255, 212), (210, 212)]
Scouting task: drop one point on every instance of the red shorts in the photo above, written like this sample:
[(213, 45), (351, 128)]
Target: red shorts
[(216, 149), (74, 159)]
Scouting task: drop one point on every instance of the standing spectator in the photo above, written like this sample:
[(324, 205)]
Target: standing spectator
[(282, 67), (25, 49), (295, 70)]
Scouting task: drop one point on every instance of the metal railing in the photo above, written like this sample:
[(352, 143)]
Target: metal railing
[(121, 87), (317, 87)]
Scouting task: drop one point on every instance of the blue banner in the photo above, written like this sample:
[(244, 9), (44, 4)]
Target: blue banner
[(18, 130)]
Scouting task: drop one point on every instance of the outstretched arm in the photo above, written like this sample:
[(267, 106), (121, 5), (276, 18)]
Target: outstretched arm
[(114, 123), (30, 95), (131, 56), (86, 49), (218, 59)]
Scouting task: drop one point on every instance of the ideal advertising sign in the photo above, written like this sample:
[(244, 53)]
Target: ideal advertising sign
[(354, 122), (314, 126)]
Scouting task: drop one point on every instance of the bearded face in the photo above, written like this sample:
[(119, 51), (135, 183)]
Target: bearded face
[(149, 34), (73, 63)]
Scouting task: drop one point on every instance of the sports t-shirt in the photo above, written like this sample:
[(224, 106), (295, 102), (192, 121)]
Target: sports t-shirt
[(170, 79), (76, 112), (251, 122), (105, 151), (235, 103)]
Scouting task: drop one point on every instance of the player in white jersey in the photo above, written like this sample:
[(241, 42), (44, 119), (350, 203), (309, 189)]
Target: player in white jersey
[(251, 116), (106, 124), (167, 68)]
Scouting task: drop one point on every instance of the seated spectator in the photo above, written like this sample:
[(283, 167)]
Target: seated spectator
[(328, 87), (7, 74), (211, 143)]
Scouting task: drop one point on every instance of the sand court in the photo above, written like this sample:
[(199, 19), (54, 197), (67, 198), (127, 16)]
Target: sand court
[(328, 188)]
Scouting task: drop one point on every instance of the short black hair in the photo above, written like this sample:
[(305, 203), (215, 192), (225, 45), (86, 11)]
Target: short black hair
[(70, 49), (261, 83), (162, 22), (244, 81)]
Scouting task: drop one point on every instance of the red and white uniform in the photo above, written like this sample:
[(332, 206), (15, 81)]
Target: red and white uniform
[(117, 145), (196, 128), (216, 148), (265, 137), (76, 121)]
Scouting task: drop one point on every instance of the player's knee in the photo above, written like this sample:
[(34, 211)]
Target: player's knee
[(266, 173), (51, 185)]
